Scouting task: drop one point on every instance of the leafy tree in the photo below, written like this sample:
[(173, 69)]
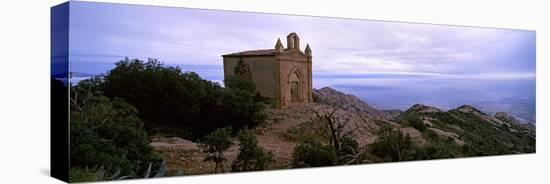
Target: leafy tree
[(236, 82), (246, 100), (168, 99), (214, 144), (311, 152), (251, 157), (106, 133)]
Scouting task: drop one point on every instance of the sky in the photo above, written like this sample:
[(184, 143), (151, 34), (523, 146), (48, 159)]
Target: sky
[(390, 65)]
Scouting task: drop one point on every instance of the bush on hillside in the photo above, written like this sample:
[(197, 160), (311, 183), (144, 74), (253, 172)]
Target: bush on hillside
[(251, 156), (106, 133), (391, 145), (311, 152), (214, 144), (416, 123)]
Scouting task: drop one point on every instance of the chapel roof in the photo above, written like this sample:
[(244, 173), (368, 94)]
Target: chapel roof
[(261, 52)]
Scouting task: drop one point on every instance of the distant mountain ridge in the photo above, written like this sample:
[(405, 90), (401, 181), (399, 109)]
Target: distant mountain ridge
[(465, 125), (331, 96)]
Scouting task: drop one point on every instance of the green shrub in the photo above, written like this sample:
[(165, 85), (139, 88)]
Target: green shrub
[(239, 109), (350, 147), (430, 135), (442, 150), (416, 123), (391, 145), (439, 150), (251, 157), (311, 152), (107, 133), (214, 144)]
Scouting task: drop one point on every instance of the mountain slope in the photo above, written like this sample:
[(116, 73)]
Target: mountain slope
[(480, 133), (331, 96)]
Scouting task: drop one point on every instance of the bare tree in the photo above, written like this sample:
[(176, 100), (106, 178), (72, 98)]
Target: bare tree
[(338, 134)]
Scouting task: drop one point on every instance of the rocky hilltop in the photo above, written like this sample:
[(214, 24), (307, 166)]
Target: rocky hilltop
[(419, 108), (333, 97)]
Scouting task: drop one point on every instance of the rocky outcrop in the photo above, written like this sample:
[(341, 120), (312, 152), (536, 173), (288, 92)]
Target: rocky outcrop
[(419, 108), (468, 109), (476, 112), (392, 114), (514, 122), (336, 98), (506, 118)]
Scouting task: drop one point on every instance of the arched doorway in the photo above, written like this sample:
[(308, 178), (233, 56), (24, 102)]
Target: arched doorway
[(295, 86), (295, 91)]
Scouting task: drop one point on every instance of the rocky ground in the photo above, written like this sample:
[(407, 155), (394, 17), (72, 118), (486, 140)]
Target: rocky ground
[(273, 136)]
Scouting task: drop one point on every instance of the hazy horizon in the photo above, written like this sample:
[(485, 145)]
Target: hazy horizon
[(390, 65)]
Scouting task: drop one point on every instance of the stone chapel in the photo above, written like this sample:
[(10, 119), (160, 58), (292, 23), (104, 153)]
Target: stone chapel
[(281, 74)]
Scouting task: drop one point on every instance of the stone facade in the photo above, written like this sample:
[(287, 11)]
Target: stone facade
[(281, 74)]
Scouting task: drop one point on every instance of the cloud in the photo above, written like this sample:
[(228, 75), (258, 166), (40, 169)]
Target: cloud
[(340, 46)]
